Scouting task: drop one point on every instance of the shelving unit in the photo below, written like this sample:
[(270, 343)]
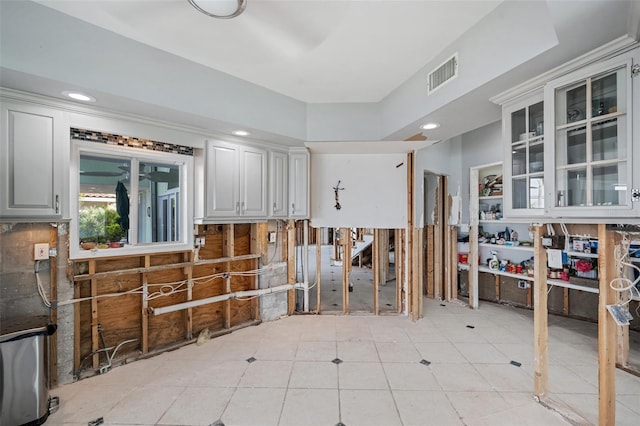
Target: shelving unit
[(490, 205)]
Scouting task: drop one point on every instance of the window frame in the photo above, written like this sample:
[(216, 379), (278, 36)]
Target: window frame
[(185, 164)]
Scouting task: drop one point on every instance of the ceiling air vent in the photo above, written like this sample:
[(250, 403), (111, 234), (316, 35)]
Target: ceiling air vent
[(444, 73)]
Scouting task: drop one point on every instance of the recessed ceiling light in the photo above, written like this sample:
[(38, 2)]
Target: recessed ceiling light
[(241, 133), (430, 126), (79, 96)]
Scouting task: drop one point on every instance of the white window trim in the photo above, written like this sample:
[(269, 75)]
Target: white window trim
[(185, 162)]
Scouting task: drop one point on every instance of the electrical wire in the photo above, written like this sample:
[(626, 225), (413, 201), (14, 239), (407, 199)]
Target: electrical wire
[(41, 292), (621, 283)]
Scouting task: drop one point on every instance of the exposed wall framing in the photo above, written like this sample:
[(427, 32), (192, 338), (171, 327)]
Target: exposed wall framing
[(107, 321)]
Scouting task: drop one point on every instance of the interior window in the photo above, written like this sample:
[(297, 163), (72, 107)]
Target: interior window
[(128, 198)]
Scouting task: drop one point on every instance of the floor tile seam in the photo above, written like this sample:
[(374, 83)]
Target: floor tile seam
[(286, 393), (455, 409), (170, 405), (226, 406)]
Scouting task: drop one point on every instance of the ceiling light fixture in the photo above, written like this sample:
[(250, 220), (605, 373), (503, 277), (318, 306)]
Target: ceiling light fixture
[(79, 96), (222, 9), (241, 133), (430, 126)]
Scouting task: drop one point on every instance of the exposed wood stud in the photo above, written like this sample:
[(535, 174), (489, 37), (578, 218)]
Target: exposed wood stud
[(565, 301), (145, 307), (345, 239), (540, 317), (189, 257), (228, 250), (95, 336), (473, 239), (453, 276), (291, 264), (377, 269), (430, 262), (497, 286), (607, 328), (318, 266)]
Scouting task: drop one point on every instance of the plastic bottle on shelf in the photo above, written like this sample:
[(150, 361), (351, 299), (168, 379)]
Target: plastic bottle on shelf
[(494, 263)]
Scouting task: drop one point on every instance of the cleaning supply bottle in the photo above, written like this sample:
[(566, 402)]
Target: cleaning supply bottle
[(494, 263)]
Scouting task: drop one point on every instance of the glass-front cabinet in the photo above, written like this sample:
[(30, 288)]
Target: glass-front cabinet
[(524, 170), (590, 152)]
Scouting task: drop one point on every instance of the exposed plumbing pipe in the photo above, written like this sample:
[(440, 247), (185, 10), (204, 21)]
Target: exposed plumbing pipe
[(223, 297)]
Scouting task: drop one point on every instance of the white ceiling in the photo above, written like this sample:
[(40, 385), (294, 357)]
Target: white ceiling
[(314, 51), (297, 71)]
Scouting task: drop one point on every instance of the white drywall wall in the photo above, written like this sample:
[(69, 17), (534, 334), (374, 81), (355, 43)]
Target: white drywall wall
[(374, 195)]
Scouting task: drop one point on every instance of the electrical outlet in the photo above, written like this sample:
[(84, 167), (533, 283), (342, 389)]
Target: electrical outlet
[(522, 284), (41, 251), (271, 237)]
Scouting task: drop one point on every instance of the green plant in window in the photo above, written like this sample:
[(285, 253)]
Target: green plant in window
[(99, 224)]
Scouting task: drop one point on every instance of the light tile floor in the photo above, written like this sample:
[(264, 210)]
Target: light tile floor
[(470, 379)]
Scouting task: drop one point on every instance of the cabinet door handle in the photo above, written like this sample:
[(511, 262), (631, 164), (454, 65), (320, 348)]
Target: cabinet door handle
[(242, 208), (237, 207), (293, 208), (274, 207), (57, 203)]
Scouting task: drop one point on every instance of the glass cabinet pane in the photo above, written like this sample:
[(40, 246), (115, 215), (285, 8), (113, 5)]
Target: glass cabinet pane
[(604, 136), (572, 107), (518, 125), (536, 119), (519, 193), (571, 187), (536, 157), (608, 185), (604, 95), (536, 192), (571, 146), (519, 159)]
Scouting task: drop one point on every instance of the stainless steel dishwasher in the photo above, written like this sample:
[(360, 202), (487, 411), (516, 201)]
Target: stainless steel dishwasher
[(24, 392)]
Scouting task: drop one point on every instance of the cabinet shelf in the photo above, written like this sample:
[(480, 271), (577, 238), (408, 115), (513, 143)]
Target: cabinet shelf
[(567, 284), (490, 197), (491, 221), (484, 268), (501, 246), (580, 254)]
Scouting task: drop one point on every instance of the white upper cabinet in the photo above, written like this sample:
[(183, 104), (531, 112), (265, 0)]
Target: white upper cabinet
[(591, 163), (299, 184), (278, 183), (34, 162), (523, 134), (236, 181)]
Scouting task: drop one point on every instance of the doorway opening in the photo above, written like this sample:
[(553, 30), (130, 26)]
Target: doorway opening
[(354, 270), (439, 272)]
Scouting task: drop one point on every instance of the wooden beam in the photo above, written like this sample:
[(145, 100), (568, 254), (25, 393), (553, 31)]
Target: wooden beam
[(377, 270), (430, 262), (145, 306), (497, 286), (540, 317), (318, 266), (565, 301), (228, 250), (77, 354), (95, 336), (400, 268), (189, 258), (607, 332), (345, 238), (291, 264)]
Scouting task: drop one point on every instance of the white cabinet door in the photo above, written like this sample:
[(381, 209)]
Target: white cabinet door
[(592, 160), (278, 173), (253, 181), (299, 185), (33, 161), (223, 190)]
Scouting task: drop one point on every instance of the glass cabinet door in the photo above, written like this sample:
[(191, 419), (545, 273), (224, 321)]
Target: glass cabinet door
[(527, 158), (591, 149)]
